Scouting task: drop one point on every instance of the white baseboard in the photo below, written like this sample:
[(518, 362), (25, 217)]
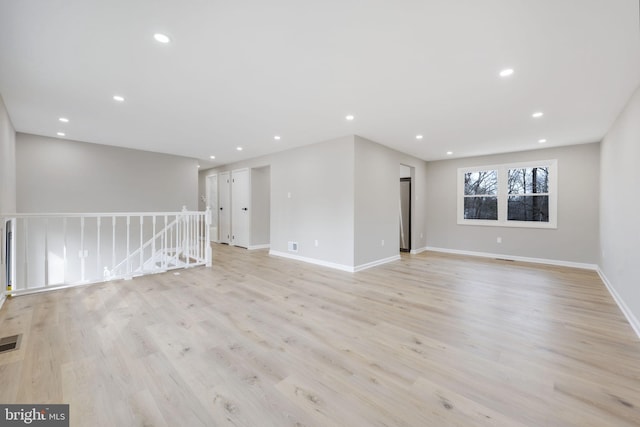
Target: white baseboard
[(333, 265), (254, 247), (376, 263), (417, 251), (633, 320), (3, 297), (561, 263)]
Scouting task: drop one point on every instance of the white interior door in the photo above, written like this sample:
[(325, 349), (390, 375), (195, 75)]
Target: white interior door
[(212, 202), (224, 207), (240, 207)]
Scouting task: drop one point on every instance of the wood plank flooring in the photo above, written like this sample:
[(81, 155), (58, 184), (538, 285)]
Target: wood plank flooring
[(430, 340)]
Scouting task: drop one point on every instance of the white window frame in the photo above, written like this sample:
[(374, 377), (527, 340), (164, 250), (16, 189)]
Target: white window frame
[(503, 195)]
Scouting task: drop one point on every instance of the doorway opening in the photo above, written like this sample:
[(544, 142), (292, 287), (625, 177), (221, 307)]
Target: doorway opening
[(8, 255), (405, 208)]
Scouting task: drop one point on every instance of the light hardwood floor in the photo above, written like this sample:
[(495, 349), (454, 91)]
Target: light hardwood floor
[(431, 340)]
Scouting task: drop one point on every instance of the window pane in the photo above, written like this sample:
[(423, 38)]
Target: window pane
[(528, 208), (482, 182), (481, 208), (528, 180)]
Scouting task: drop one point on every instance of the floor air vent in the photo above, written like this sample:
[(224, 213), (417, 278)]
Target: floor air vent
[(9, 343)]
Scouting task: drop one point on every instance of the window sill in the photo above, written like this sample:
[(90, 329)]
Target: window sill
[(509, 224)]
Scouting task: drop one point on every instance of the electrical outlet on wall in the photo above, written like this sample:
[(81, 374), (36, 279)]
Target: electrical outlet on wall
[(382, 244), (315, 242), (499, 240)]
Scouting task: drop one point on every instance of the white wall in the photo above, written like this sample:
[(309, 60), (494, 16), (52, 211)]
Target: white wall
[(57, 175), (377, 201), (574, 241), (619, 208)]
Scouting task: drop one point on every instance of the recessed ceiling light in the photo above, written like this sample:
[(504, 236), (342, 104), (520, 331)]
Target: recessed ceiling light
[(506, 72), (449, 153), (537, 114), (349, 117), (212, 157), (161, 38), (542, 141), (61, 134), (118, 98), (239, 148), (277, 137), (419, 136), (63, 120)]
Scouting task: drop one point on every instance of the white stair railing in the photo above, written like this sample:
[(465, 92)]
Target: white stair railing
[(50, 251)]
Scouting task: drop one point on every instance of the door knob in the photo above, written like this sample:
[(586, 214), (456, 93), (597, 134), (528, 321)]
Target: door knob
[(220, 208)]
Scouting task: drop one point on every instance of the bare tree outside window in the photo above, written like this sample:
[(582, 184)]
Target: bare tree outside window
[(480, 195), (528, 194)]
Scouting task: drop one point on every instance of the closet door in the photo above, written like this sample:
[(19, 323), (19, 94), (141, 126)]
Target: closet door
[(240, 187), (224, 207)]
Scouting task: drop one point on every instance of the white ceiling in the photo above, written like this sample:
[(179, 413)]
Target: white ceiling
[(239, 72)]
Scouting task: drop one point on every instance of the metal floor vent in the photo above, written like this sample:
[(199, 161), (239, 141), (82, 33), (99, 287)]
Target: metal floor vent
[(9, 343)]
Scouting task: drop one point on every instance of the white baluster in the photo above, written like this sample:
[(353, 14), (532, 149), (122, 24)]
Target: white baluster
[(113, 245), (128, 257), (46, 252), (98, 260), (207, 239), (25, 228), (153, 244), (164, 243), (82, 254), (141, 243), (64, 250), (188, 240)]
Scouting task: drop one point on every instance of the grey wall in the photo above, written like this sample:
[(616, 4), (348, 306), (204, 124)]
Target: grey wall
[(260, 206), (7, 162), (7, 180), (377, 201), (575, 239), (57, 175), (319, 178), (345, 195), (619, 207), (202, 189)]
